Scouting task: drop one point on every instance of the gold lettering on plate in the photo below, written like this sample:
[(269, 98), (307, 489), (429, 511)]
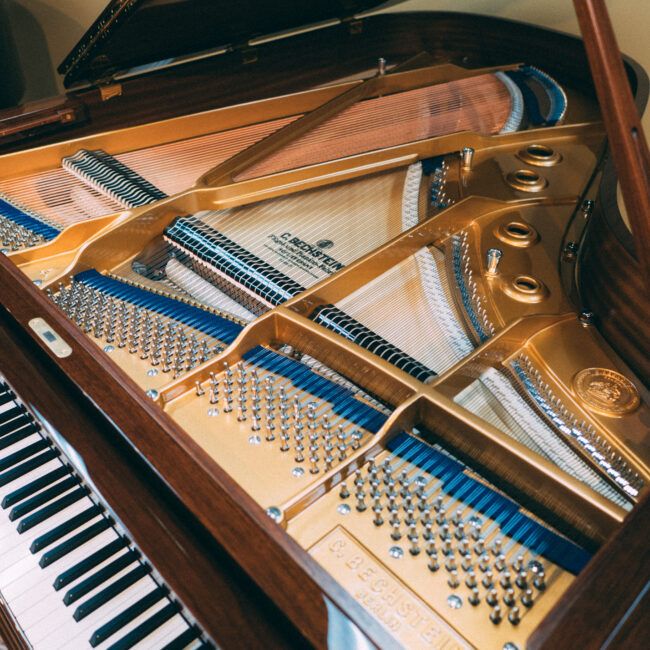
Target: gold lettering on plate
[(393, 604)]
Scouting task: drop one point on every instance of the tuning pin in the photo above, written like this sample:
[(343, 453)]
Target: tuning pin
[(492, 597), (344, 493), (199, 389), (452, 580), (361, 503), (487, 581), (495, 614), (540, 581), (470, 579), (395, 534), (513, 616), (474, 598), (527, 598)]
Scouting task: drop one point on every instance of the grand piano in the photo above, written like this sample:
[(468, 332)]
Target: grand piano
[(320, 329)]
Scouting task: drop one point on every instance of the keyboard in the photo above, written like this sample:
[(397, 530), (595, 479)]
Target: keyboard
[(70, 576)]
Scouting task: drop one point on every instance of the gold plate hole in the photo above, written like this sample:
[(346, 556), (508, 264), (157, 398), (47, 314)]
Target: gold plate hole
[(517, 233), (526, 288), (526, 180), (527, 284), (540, 154)]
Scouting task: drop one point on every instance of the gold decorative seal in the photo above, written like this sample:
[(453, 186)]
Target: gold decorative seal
[(606, 391)]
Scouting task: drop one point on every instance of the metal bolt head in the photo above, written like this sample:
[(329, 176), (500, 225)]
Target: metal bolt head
[(396, 552), (586, 318), (343, 509), (152, 393), (275, 513), (109, 348), (454, 601), (38, 282)]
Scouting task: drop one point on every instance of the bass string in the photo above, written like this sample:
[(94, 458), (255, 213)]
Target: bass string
[(65, 199), (483, 105), (175, 166)]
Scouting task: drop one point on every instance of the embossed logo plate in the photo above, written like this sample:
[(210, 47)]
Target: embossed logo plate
[(405, 616), (606, 391)]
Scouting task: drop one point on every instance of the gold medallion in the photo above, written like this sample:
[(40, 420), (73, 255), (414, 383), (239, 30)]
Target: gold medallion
[(606, 391)]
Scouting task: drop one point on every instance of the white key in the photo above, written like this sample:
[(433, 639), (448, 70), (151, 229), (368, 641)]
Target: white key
[(87, 626), (164, 634), (21, 583), (25, 479), (25, 539)]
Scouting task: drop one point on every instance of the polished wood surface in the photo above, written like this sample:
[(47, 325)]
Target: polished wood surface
[(608, 605), (627, 142), (221, 597)]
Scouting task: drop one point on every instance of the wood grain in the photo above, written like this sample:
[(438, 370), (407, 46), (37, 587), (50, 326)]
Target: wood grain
[(627, 141)]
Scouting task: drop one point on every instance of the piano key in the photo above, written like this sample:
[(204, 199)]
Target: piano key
[(33, 445), (184, 640), (127, 616), (20, 433), (17, 578), (42, 498), (72, 543), (29, 465), (100, 577), (145, 629), (34, 486), (15, 546), (64, 528), (10, 529), (14, 419), (53, 508), (30, 574), (88, 563), (114, 589), (58, 629), (6, 397), (76, 634)]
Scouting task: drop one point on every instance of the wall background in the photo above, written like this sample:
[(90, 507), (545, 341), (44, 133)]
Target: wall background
[(44, 31)]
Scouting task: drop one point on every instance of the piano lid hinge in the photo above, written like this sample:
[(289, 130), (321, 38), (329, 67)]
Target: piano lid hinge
[(355, 25), (248, 55), (109, 90)]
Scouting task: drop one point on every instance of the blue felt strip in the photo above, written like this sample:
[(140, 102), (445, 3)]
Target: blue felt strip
[(479, 496), (211, 324), (11, 212)]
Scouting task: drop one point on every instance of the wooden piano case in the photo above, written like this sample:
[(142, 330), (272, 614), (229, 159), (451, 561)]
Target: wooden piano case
[(245, 579)]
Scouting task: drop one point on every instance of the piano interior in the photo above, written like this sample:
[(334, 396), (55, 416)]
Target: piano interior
[(359, 302)]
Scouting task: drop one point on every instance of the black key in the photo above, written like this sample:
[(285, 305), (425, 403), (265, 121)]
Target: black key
[(182, 641), (12, 418), (76, 571), (73, 542), (5, 397), (18, 435), (99, 577), (50, 510), (42, 498), (29, 466), (110, 592), (146, 628), (37, 484), (129, 614), (23, 454), (63, 529)]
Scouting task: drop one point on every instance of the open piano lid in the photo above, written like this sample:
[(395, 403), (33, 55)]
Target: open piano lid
[(131, 33)]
